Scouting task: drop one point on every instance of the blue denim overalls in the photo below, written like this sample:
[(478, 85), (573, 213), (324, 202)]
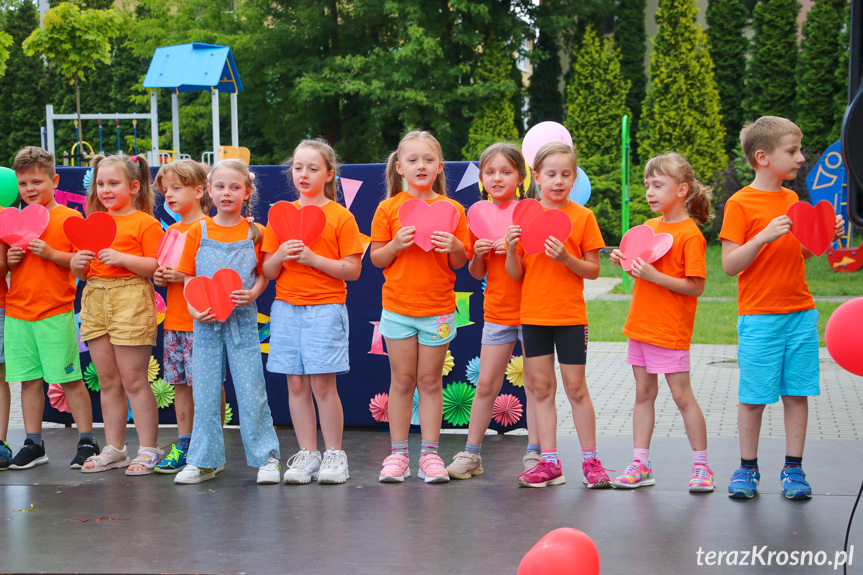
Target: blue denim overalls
[(239, 337)]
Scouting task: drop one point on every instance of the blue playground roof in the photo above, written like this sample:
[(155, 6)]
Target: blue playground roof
[(194, 67)]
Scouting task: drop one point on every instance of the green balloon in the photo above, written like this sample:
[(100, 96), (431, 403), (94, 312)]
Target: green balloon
[(8, 187)]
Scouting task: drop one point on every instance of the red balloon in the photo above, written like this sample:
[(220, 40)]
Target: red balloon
[(844, 335), (564, 551)]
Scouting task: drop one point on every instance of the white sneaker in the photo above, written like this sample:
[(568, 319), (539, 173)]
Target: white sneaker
[(334, 467), (269, 473), (190, 474), (303, 467)]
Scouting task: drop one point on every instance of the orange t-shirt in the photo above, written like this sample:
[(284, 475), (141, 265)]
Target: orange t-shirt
[(177, 316), (138, 234), (218, 233), (657, 315), (40, 288), (300, 284), (775, 281), (502, 296), (417, 283), (551, 294)]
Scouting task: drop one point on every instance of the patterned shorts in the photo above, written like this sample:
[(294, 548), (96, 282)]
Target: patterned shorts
[(178, 357)]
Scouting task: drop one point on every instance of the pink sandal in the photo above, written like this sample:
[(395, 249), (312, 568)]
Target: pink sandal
[(149, 457)]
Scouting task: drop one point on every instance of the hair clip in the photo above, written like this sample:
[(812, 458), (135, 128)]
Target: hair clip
[(134, 159), (251, 176)]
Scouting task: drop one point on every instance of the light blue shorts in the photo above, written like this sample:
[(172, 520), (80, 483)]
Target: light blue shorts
[(778, 355), (497, 334), (308, 339), (430, 330)]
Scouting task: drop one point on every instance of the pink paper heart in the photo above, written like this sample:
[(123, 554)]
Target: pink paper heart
[(488, 221), (18, 228), (813, 226), (440, 216), (171, 248), (641, 242)]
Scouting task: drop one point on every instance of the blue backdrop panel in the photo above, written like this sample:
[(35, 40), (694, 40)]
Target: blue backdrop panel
[(370, 372)]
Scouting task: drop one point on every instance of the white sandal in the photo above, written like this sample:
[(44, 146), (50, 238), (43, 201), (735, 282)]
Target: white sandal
[(110, 458), (149, 457)]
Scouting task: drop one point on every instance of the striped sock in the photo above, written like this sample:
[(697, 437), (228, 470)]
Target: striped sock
[(533, 448), (473, 448), (588, 453), (550, 455)]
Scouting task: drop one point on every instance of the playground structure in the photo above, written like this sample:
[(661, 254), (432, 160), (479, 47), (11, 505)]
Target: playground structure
[(183, 68)]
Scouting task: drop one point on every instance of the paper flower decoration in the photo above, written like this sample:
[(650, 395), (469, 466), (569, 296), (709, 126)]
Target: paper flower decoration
[(164, 393), (415, 410), (229, 414), (88, 179), (152, 369), (507, 410), (457, 399), (448, 363), (515, 371), (91, 378), (57, 397), (378, 406), (472, 370)]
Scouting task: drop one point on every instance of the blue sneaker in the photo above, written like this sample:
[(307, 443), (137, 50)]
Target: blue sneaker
[(5, 456), (794, 483), (744, 483), (175, 461)]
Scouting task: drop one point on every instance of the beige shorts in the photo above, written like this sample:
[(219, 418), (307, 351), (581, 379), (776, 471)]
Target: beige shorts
[(124, 308)]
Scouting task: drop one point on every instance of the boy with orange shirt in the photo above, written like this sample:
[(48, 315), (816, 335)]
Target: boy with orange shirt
[(777, 324), (39, 334)]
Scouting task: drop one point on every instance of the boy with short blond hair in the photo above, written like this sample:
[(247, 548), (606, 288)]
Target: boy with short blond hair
[(777, 323), (40, 340)]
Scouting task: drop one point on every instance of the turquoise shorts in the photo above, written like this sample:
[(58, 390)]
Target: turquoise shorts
[(778, 355), (430, 330), (47, 348)]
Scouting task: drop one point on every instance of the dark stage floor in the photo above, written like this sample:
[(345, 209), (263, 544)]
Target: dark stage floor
[(480, 526)]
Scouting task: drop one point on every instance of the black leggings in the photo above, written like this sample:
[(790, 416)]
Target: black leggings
[(570, 341)]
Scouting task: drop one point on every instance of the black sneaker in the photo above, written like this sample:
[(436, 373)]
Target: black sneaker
[(86, 448), (29, 456), (5, 456)]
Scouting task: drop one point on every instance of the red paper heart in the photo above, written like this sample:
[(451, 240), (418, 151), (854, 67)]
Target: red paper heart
[(440, 216), (292, 223), (488, 221), (171, 248), (17, 228), (814, 227), (538, 224), (214, 293), (641, 242), (94, 233)]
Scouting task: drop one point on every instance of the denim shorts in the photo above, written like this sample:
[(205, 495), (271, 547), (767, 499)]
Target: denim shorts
[(778, 355), (430, 330), (497, 334), (657, 359), (308, 339)]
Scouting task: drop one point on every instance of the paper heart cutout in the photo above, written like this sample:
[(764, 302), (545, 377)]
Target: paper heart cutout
[(94, 233), (641, 242), (214, 293), (17, 228), (489, 221), (537, 224), (171, 248), (814, 227), (440, 216), (291, 223)]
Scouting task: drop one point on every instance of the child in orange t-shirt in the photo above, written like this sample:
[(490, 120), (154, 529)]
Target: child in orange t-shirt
[(40, 340), (553, 314), (662, 314), (418, 318), (118, 310), (309, 319), (502, 173), (777, 325)]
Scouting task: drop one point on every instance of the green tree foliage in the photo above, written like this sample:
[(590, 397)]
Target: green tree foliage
[(495, 118), (840, 100), (681, 110), (726, 20), (5, 42), (630, 39), (818, 84), (546, 99), (596, 97), (771, 78), (604, 174)]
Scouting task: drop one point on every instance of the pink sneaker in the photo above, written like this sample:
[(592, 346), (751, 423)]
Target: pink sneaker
[(396, 468), (595, 476), (542, 474), (702, 479), (432, 469)]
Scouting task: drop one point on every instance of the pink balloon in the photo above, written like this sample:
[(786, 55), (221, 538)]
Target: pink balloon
[(564, 551), (843, 335), (540, 135)]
